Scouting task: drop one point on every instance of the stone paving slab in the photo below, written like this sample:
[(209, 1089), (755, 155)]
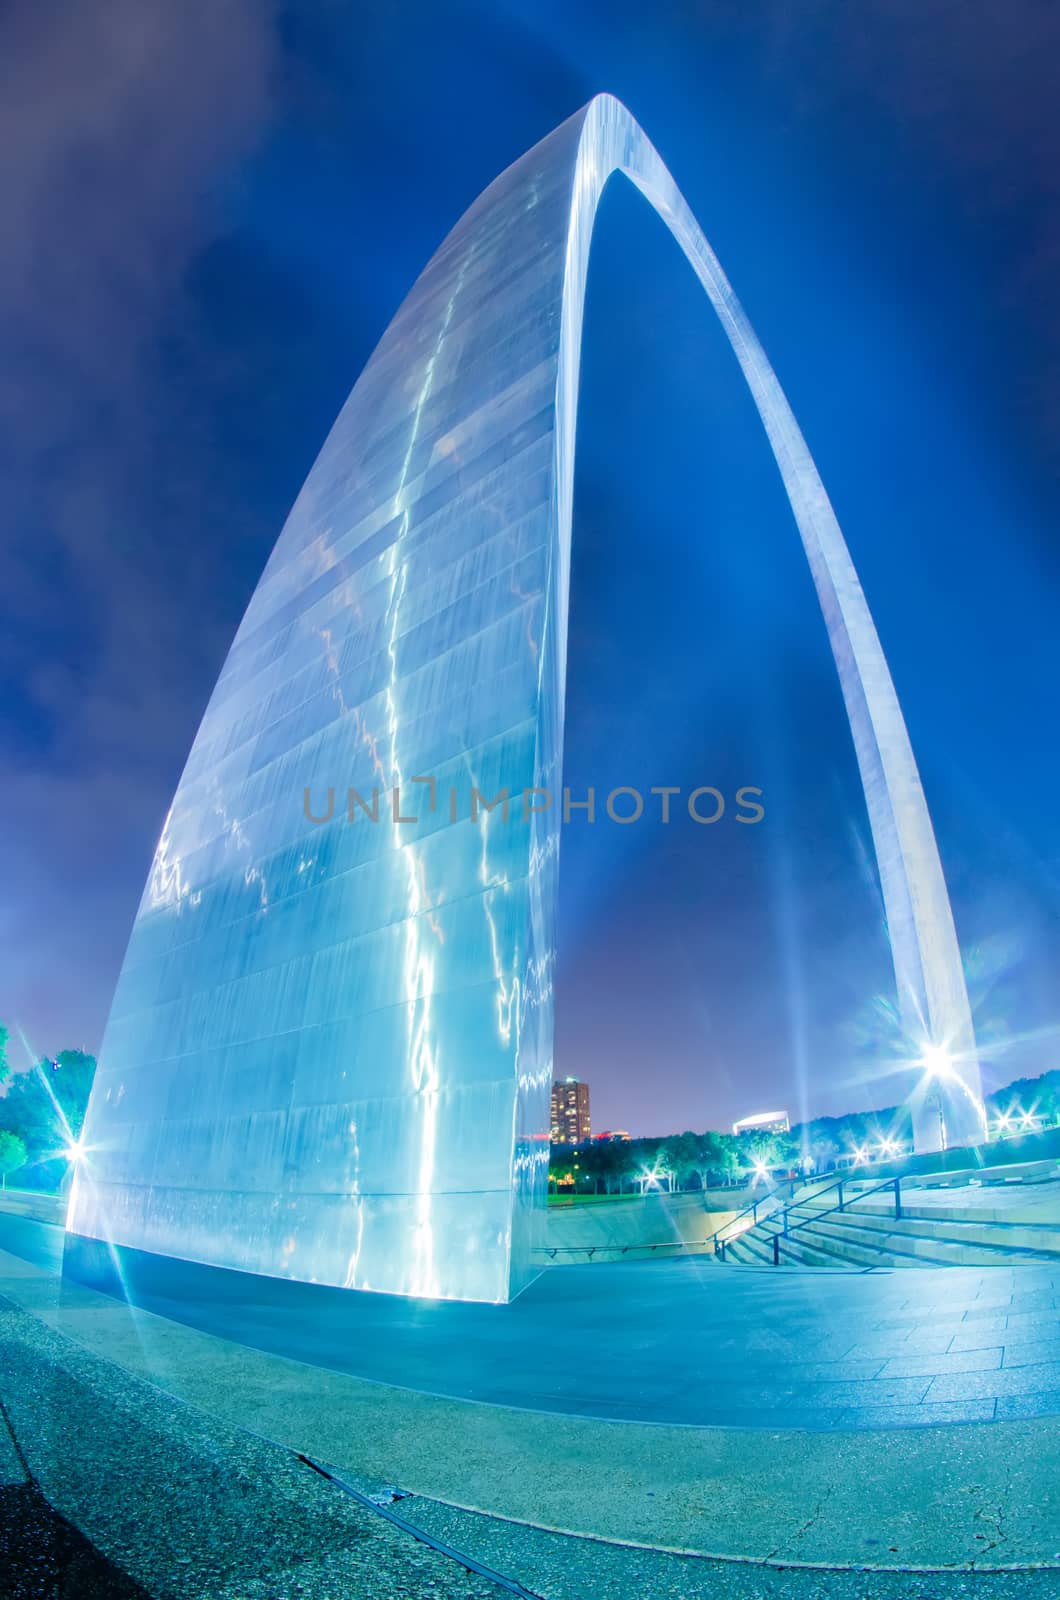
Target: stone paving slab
[(925, 1363), (1015, 1405), (1036, 1352)]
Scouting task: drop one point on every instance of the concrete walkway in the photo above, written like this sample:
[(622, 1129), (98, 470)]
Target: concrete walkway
[(681, 1342), (979, 1495), (113, 1490)]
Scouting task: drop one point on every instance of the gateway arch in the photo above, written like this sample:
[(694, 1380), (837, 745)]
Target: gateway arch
[(330, 1049)]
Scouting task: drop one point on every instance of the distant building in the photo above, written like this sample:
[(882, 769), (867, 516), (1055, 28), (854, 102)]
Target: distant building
[(763, 1122), (613, 1136), (570, 1112)]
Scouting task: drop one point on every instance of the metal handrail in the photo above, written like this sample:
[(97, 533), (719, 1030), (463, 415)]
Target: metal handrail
[(752, 1210), (776, 1234), (790, 1184), (553, 1250)]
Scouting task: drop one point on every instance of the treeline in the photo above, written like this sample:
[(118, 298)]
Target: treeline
[(41, 1115), (678, 1161), (42, 1112), (708, 1160), (717, 1160)]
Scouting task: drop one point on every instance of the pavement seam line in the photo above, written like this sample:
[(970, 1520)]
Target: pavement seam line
[(774, 1562), (804, 1529), (970, 1565), (469, 1563)]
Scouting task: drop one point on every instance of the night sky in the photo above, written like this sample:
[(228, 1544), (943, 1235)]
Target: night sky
[(211, 211)]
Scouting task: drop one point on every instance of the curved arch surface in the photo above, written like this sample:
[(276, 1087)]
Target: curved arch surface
[(330, 1049)]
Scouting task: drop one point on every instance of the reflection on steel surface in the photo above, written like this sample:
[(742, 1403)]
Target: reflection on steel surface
[(330, 1050)]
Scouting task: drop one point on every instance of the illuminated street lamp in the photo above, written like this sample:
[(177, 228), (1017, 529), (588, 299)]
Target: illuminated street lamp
[(937, 1061)]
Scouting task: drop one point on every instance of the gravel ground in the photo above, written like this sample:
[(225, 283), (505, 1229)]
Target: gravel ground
[(41, 1554), (138, 1494)]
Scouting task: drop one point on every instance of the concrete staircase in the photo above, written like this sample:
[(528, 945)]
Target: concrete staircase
[(868, 1234)]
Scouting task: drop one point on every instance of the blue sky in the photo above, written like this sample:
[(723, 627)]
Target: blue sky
[(213, 213)]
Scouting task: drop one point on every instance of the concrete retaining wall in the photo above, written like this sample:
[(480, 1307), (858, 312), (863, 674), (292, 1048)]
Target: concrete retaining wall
[(631, 1226)]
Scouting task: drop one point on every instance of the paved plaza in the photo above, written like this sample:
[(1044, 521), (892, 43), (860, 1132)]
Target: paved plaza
[(683, 1341), (783, 1455), (85, 1448)]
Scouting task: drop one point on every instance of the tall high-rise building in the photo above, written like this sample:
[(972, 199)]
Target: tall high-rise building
[(570, 1112)]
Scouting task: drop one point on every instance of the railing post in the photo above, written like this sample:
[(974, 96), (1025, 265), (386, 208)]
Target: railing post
[(776, 1249), (754, 1213), (898, 1199), (785, 1222), (840, 1197)]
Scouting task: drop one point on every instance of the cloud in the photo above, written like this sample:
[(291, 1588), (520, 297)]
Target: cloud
[(118, 126)]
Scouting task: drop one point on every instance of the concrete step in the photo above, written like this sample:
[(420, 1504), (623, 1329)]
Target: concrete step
[(831, 1242), (758, 1252), (867, 1251), (1043, 1243), (1044, 1218), (868, 1234), (905, 1246), (750, 1247), (755, 1245), (799, 1251)]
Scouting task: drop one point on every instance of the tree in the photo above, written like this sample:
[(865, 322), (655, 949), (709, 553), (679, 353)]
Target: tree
[(70, 1075), (728, 1157), (1038, 1096), (713, 1157), (46, 1108), (761, 1147), (12, 1155), (609, 1163), (561, 1167), (47, 1104), (680, 1155)]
